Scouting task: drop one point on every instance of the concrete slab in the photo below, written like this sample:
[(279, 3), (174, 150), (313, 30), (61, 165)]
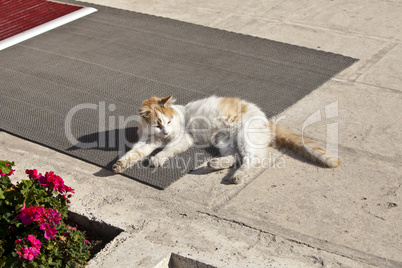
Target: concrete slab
[(169, 9), (387, 72), (294, 214), (158, 223), (362, 48), (276, 9), (369, 18), (303, 35), (350, 205), (368, 129)]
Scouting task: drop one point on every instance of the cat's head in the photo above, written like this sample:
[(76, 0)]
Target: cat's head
[(159, 115)]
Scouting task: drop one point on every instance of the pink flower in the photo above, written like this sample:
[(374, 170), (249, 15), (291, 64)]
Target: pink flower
[(30, 214), (52, 181), (7, 174), (69, 190), (34, 242), (71, 228), (33, 173), (29, 253), (49, 233), (48, 220), (44, 226), (20, 252), (28, 248)]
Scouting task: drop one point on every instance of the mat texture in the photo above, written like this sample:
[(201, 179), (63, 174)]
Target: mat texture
[(80, 85)]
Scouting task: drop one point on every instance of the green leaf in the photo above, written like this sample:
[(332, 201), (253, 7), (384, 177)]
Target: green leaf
[(4, 167), (71, 251)]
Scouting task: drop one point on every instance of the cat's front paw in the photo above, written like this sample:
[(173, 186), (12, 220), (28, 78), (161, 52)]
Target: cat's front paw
[(158, 161), (119, 166)]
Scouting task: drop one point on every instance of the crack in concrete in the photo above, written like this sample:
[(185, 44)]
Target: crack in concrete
[(318, 244), (232, 194), (373, 60)]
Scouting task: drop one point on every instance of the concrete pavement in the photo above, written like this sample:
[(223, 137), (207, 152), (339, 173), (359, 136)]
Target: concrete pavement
[(294, 214)]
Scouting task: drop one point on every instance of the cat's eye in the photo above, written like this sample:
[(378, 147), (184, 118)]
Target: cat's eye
[(158, 127), (169, 122)]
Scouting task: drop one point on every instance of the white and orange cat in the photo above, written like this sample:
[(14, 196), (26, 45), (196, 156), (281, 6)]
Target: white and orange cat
[(234, 126)]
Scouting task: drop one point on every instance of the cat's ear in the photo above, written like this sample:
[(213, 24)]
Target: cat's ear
[(167, 101), (143, 112)]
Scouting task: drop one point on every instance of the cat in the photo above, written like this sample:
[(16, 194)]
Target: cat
[(233, 125)]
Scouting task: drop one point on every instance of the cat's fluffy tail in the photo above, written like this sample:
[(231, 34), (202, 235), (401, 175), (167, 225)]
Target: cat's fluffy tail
[(302, 146)]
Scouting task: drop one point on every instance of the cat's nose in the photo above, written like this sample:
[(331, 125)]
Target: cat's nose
[(165, 133)]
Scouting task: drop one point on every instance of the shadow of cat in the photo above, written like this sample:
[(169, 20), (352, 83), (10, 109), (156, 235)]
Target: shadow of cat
[(204, 169), (111, 140)]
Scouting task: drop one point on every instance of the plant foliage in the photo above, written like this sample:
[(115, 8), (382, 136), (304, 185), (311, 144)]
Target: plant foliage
[(33, 232)]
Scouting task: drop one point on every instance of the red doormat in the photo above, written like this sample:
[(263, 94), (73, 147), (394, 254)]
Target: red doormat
[(23, 19)]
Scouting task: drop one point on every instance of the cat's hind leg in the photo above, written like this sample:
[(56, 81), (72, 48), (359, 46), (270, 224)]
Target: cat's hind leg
[(244, 173), (254, 162), (254, 154), (250, 167), (226, 160)]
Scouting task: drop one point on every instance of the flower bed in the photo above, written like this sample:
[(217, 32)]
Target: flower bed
[(33, 222)]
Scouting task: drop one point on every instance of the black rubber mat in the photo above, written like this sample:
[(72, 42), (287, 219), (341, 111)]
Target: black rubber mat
[(77, 88)]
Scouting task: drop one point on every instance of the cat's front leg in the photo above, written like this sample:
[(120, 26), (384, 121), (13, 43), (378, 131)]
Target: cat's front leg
[(159, 159), (139, 152), (171, 150), (126, 161)]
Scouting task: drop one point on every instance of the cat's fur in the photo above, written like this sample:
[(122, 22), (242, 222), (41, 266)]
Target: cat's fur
[(233, 125)]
